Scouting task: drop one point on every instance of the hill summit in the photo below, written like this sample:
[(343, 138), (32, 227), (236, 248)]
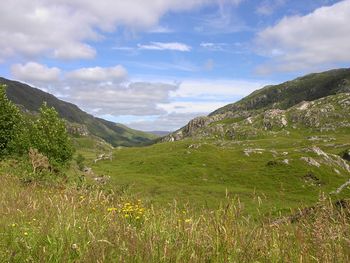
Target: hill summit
[(319, 101)]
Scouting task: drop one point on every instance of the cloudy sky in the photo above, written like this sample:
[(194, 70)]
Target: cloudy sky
[(155, 64)]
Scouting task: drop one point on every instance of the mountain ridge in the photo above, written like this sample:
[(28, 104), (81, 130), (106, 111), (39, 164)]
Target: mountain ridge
[(277, 98), (30, 99)]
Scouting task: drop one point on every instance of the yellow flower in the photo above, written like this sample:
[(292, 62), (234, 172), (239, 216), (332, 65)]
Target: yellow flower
[(25, 233), (13, 225), (111, 209), (126, 215), (188, 220)]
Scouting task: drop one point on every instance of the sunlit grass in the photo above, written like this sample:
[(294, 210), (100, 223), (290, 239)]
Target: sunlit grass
[(63, 224)]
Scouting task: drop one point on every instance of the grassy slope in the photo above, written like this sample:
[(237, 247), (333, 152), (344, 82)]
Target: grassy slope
[(285, 95), (116, 134), (168, 171), (81, 223), (65, 223)]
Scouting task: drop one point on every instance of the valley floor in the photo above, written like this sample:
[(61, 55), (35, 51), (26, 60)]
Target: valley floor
[(188, 201), (286, 170)]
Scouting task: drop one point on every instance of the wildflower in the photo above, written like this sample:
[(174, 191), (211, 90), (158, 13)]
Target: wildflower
[(188, 220), (111, 209), (13, 225), (25, 233), (74, 246)]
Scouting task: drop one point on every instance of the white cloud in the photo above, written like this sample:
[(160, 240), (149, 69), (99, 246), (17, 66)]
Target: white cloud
[(165, 46), (184, 107), (302, 42), (138, 98), (104, 92), (62, 28), (99, 74), (216, 89), (214, 46), (166, 122), (74, 50), (160, 30), (34, 72)]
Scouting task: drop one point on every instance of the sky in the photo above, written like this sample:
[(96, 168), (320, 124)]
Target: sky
[(156, 64)]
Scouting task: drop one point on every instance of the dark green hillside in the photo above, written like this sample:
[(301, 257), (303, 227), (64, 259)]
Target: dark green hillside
[(31, 99), (317, 101), (290, 93)]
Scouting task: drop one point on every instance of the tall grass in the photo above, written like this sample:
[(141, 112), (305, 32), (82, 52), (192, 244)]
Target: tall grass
[(65, 224)]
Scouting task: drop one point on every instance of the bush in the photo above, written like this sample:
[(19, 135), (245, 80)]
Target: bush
[(49, 136), (10, 122), (80, 162)]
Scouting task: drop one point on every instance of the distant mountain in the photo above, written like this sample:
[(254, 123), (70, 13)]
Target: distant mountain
[(318, 101), (116, 134), (159, 133)]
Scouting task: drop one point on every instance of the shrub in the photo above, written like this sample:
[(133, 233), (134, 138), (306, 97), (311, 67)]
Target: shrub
[(49, 136), (10, 122), (39, 162), (80, 162)]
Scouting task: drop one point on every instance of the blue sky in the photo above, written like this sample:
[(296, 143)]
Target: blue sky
[(156, 64)]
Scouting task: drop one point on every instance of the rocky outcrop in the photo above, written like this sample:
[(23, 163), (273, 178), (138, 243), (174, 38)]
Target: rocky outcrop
[(104, 156), (77, 129), (275, 109), (310, 161), (274, 118)]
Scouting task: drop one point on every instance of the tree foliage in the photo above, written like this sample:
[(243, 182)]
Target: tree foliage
[(50, 137), (10, 121)]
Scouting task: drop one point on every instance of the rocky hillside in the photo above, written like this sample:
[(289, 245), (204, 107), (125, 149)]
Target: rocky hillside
[(79, 122), (319, 101)]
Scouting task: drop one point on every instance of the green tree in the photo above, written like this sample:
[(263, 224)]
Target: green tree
[(10, 122), (50, 137)]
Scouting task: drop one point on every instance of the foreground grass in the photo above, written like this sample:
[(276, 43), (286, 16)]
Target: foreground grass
[(66, 224)]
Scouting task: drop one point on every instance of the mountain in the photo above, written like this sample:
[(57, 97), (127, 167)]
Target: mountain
[(319, 101), (159, 133), (30, 99)]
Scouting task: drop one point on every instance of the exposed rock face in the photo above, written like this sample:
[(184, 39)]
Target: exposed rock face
[(341, 188), (195, 124), (201, 127), (249, 151), (332, 159), (104, 156), (304, 105), (275, 118), (310, 161), (77, 129)]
